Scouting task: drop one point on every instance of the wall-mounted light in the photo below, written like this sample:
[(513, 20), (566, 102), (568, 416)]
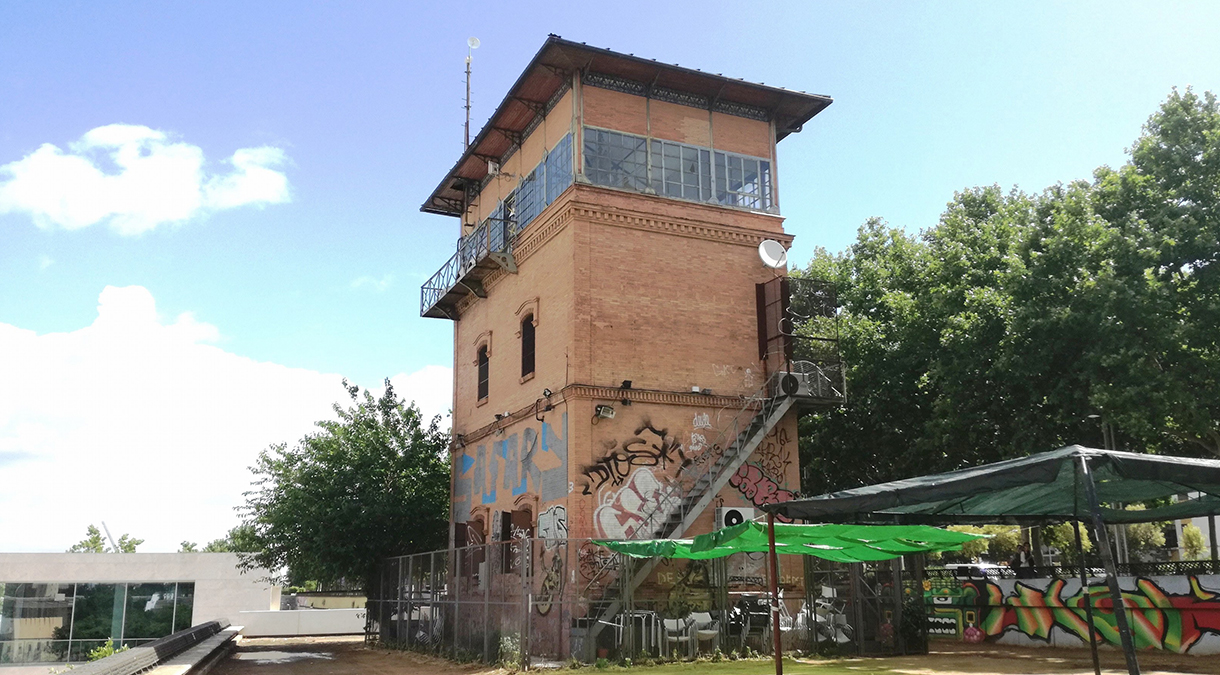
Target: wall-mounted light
[(548, 393), (626, 384), (603, 412)]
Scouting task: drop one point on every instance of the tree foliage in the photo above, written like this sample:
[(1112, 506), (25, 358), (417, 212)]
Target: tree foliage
[(372, 484), (95, 543), (1193, 544), (1062, 537), (238, 539), (998, 332)]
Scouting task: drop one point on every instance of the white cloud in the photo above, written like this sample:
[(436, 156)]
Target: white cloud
[(373, 284), (134, 178), (139, 421)]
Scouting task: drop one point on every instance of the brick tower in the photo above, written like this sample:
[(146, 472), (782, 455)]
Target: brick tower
[(618, 351)]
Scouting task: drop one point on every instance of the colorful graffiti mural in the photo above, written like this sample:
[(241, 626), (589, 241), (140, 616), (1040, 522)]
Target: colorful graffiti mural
[(640, 507), (536, 460), (1170, 613), (759, 488)]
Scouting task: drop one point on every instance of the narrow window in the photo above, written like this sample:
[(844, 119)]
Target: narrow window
[(483, 372), (527, 345)]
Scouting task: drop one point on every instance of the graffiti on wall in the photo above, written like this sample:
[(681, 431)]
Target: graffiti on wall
[(774, 455), (656, 448), (553, 523), (536, 460), (748, 376), (552, 584), (760, 489), (598, 564), (639, 507), (1160, 618)]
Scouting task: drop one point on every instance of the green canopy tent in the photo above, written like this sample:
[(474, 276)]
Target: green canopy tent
[(1068, 484), (840, 543)]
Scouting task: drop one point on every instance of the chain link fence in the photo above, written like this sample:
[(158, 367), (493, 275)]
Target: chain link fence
[(538, 602)]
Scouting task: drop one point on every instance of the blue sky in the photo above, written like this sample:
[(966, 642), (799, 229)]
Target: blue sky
[(356, 108)]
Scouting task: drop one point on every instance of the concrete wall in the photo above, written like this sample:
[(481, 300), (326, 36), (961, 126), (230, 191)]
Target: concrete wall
[(301, 622), (221, 590), (1175, 613)]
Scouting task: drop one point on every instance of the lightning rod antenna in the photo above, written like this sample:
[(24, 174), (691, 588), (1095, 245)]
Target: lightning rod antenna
[(472, 44), (112, 544)]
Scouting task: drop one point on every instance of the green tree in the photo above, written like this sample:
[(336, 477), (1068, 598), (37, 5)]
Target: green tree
[(999, 547), (1063, 538), (1000, 330), (94, 543), (238, 539), (188, 547), (1192, 542), (372, 484)]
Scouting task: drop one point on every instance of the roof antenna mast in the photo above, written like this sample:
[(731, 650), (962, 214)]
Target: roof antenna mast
[(473, 44)]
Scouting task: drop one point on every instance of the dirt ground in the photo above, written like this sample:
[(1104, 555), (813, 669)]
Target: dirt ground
[(348, 656)]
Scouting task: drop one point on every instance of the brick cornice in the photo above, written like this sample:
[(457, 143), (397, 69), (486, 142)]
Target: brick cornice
[(681, 227)]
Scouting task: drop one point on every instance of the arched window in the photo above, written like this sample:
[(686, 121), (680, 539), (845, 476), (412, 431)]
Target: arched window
[(483, 372), (527, 345)]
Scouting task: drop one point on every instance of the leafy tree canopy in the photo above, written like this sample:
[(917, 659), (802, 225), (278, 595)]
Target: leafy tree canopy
[(95, 543), (999, 331), (239, 539), (372, 484)]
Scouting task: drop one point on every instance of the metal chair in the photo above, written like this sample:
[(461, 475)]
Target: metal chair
[(706, 629)]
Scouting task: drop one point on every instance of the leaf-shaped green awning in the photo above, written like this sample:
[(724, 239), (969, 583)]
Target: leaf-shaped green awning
[(840, 543)]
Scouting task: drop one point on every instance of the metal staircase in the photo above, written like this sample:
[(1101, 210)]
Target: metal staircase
[(669, 520)]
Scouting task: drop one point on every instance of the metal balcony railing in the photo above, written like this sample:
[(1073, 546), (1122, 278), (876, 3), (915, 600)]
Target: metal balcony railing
[(487, 247)]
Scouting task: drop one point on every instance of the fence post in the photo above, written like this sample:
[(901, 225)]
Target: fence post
[(410, 596), (492, 554)]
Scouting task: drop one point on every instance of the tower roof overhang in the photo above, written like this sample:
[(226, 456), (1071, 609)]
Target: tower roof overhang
[(551, 70)]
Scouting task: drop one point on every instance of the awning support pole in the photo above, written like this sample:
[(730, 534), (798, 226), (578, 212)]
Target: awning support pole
[(1116, 594), (1088, 598), (774, 563)]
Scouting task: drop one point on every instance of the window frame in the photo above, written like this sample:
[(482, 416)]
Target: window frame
[(719, 171), (529, 346)]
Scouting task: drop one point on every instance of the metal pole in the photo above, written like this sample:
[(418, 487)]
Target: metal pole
[(774, 566), (466, 141), (1088, 599), (1116, 594), (1211, 538)]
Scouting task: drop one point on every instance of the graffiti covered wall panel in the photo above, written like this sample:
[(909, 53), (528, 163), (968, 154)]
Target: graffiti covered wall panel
[(492, 472), (1175, 613)]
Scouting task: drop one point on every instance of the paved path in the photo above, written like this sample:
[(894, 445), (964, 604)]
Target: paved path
[(348, 656)]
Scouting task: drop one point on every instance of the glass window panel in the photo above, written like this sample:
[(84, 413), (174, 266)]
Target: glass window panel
[(186, 606), (559, 168), (690, 155), (81, 648), (150, 611), (33, 651), (35, 611), (99, 611)]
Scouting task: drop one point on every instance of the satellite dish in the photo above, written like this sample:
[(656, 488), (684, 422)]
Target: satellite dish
[(473, 43), (772, 253)]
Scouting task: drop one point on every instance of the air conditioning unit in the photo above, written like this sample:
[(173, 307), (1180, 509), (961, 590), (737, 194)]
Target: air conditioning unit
[(728, 516)]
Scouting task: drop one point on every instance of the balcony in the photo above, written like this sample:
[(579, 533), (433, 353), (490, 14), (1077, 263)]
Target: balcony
[(487, 248)]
